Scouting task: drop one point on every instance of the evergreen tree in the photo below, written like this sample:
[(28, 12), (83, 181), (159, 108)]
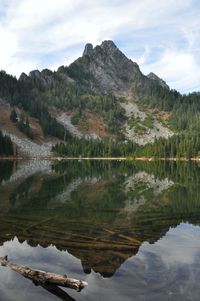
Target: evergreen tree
[(6, 146), (13, 116)]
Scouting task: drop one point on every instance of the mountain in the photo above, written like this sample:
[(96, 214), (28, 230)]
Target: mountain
[(159, 80), (101, 70), (105, 69), (102, 94)]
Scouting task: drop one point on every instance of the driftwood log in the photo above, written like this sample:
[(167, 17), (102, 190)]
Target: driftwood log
[(44, 278)]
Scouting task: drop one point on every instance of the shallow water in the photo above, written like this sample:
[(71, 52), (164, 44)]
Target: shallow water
[(131, 230)]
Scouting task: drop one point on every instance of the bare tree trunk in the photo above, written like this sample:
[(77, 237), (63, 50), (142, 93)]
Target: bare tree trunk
[(44, 278)]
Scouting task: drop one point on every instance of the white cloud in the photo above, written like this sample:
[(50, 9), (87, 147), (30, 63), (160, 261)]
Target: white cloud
[(170, 247), (48, 33), (179, 69)]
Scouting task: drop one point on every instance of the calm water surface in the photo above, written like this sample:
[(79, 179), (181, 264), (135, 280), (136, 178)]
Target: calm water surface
[(131, 230)]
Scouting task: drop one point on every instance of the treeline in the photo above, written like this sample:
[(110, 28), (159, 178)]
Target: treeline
[(27, 97), (95, 148), (55, 91), (184, 121), (184, 109), (185, 145), (35, 93), (186, 113), (6, 146), (22, 123), (106, 106), (6, 168), (155, 96)]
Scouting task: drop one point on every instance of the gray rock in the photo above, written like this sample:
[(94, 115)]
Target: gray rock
[(61, 69), (35, 74), (159, 80), (104, 69), (46, 72), (88, 49), (23, 77)]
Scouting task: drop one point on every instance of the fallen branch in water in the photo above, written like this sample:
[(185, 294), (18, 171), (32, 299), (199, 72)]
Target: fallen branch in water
[(44, 278)]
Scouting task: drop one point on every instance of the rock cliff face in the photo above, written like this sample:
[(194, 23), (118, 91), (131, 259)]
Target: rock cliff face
[(159, 80), (104, 69)]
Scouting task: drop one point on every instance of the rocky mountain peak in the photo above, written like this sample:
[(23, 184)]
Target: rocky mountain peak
[(88, 49), (23, 76), (35, 74), (159, 80), (109, 49), (108, 45), (104, 69)]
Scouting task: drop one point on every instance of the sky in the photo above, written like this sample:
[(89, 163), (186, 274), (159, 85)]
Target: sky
[(161, 36)]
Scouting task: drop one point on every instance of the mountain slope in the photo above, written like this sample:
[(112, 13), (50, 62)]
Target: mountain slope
[(101, 94), (84, 87), (105, 69)]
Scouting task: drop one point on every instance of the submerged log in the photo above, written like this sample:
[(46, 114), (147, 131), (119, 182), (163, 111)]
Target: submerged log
[(44, 278)]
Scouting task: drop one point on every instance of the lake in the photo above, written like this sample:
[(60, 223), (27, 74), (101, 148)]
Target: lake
[(130, 229)]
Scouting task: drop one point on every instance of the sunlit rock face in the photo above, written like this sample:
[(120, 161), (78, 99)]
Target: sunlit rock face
[(106, 69)]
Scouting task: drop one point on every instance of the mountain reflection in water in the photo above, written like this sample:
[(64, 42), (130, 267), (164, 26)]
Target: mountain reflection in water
[(128, 229)]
